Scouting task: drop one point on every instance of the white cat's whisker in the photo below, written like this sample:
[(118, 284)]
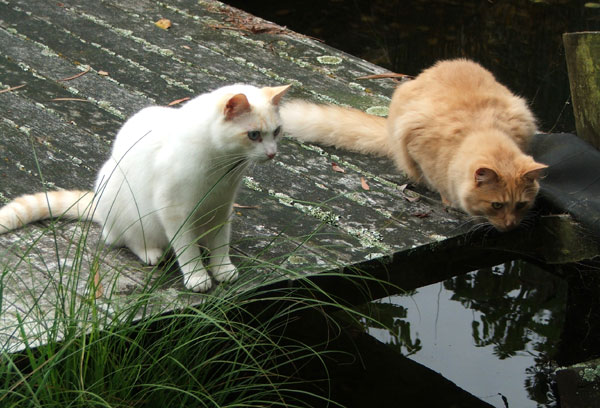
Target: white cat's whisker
[(236, 171), (226, 164)]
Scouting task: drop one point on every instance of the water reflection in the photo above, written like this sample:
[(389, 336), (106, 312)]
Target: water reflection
[(393, 319), (492, 332)]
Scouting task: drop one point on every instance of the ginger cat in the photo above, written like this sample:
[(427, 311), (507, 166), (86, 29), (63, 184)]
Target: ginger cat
[(171, 180), (453, 128)]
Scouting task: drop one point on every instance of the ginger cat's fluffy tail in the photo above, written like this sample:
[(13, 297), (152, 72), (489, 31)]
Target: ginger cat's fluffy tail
[(34, 207), (330, 125)]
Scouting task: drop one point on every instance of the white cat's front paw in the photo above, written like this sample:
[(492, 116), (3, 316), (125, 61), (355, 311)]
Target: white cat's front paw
[(197, 281), (153, 256), (225, 273)]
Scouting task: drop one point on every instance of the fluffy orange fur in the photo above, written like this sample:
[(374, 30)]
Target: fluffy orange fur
[(454, 128)]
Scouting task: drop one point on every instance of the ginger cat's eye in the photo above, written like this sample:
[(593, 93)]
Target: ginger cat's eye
[(254, 135), (520, 205), (497, 206), (277, 131)]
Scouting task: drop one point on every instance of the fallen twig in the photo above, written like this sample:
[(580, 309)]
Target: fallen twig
[(392, 75), (178, 101), (254, 207), (76, 75), (69, 99), (12, 88)]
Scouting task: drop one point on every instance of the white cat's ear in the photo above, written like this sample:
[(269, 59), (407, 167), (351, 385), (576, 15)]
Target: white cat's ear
[(535, 172), (236, 105), (485, 175), (276, 93)]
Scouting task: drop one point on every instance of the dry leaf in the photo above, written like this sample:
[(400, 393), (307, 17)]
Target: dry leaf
[(103, 73), (412, 197), (236, 205), (421, 214), (364, 184), (337, 168), (163, 23), (98, 285), (187, 47), (266, 28), (178, 101), (402, 187)]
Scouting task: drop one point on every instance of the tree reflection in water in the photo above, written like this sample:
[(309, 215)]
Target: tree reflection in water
[(517, 309)]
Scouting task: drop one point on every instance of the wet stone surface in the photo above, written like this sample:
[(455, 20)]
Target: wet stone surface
[(304, 218)]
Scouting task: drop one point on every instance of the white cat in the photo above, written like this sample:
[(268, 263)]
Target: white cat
[(171, 179)]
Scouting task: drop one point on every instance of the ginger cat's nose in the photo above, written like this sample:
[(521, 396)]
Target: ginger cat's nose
[(510, 223)]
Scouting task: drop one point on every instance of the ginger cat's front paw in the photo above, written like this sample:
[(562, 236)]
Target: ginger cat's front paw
[(225, 273), (197, 281)]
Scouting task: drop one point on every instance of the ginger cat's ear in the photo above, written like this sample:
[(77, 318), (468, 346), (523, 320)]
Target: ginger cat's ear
[(485, 175), (276, 93), (236, 105), (535, 171)]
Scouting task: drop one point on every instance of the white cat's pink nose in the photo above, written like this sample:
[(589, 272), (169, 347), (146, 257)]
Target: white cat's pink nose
[(270, 155)]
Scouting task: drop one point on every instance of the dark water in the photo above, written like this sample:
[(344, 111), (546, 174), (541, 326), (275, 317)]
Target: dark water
[(518, 40), (492, 332), (480, 340)]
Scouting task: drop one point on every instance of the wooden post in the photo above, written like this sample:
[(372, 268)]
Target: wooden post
[(582, 52)]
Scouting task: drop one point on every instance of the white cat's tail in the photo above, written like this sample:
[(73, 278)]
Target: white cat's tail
[(34, 207), (330, 125)]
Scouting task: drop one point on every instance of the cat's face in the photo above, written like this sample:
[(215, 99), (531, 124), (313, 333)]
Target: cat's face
[(253, 123), (504, 199)]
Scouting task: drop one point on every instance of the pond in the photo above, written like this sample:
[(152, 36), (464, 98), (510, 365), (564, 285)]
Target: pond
[(484, 339), (492, 332)]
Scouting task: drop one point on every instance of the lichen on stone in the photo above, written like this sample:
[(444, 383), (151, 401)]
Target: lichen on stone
[(325, 216), (282, 198), (296, 260), (374, 255), (590, 374), (438, 237), (329, 59), (368, 238), (251, 183)]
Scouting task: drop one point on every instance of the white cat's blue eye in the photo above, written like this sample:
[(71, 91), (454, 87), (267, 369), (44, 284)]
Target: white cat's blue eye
[(277, 131), (254, 135)]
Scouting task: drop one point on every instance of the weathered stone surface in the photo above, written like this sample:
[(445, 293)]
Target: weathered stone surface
[(56, 131), (579, 385)]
